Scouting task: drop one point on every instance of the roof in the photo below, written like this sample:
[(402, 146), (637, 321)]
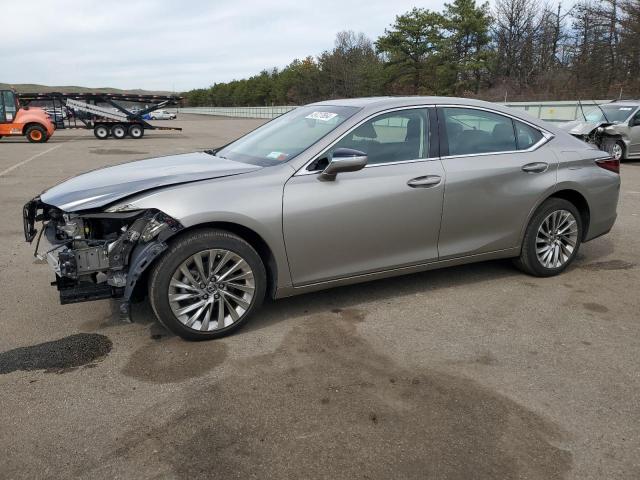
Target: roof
[(391, 101), (372, 105)]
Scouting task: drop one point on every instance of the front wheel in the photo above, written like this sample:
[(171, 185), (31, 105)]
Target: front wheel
[(207, 285), (552, 239), (618, 150), (101, 132)]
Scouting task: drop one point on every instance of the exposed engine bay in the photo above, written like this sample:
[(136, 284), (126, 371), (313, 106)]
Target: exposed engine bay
[(599, 134), (97, 255)]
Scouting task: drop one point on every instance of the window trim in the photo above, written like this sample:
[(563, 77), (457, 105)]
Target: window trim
[(546, 135), (429, 154)]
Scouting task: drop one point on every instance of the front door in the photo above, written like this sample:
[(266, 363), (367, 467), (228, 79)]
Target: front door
[(384, 216), (7, 112), (634, 135)]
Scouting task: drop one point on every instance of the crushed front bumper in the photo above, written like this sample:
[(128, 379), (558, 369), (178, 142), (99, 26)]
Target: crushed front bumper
[(97, 255)]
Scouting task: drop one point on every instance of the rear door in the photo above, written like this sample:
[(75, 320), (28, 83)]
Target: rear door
[(496, 172)]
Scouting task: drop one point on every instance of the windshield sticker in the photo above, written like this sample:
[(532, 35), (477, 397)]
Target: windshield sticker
[(625, 108), (322, 116), (280, 156)]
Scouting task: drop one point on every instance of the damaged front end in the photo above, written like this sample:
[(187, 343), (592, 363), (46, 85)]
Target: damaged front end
[(97, 255), (602, 135)]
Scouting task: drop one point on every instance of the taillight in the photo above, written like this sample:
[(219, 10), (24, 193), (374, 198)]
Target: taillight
[(610, 164)]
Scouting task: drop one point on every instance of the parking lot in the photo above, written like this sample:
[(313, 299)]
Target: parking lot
[(470, 372)]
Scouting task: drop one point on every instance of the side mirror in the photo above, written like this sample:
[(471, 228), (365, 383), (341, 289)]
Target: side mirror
[(635, 121), (344, 160)]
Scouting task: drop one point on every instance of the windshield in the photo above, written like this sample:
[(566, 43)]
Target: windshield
[(614, 113), (286, 136)]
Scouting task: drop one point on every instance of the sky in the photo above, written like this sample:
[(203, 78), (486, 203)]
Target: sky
[(175, 45)]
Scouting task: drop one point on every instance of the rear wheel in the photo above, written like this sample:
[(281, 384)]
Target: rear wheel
[(207, 285), (36, 134), (552, 239), (118, 131), (136, 131), (101, 132)]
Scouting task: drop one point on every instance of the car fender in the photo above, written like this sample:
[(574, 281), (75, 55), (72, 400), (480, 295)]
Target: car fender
[(252, 200)]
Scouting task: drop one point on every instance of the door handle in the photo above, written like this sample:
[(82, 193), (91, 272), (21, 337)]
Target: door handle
[(425, 182), (536, 167)]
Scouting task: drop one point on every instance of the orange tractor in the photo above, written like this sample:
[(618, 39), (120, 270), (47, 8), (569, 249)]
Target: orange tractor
[(32, 122)]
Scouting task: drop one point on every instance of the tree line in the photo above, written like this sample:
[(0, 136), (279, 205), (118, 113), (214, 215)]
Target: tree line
[(517, 50)]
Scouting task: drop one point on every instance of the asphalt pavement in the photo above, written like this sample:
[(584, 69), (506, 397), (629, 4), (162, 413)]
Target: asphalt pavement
[(472, 372)]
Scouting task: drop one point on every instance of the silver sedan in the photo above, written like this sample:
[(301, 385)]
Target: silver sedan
[(328, 194)]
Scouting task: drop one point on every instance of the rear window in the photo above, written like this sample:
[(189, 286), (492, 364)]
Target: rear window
[(471, 131), (527, 136)]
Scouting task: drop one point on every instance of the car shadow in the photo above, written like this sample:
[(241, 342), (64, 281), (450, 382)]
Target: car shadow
[(350, 296), (276, 311)]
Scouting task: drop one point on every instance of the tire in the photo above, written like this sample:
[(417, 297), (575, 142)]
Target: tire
[(36, 134), (136, 131), (119, 131), (535, 257), (618, 150), (168, 273), (101, 132)]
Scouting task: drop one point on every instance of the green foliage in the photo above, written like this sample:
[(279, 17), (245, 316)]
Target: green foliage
[(523, 48)]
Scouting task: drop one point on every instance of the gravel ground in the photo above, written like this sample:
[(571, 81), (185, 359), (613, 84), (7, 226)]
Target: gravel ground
[(470, 372)]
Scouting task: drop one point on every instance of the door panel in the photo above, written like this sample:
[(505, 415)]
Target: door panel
[(362, 221), (634, 135), (488, 199)]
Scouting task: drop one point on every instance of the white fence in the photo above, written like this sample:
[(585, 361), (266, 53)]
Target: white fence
[(552, 111), (241, 112)]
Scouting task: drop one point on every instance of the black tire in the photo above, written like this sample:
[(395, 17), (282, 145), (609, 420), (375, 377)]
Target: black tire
[(179, 251), (36, 134), (101, 132), (119, 131), (528, 260), (136, 131)]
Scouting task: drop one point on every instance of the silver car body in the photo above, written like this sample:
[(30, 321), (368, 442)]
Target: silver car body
[(369, 223), (626, 130)]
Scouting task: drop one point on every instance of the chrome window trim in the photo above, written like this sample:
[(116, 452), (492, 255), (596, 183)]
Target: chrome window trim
[(546, 135), (303, 170)]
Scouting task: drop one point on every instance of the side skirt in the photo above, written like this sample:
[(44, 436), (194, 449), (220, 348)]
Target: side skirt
[(290, 291)]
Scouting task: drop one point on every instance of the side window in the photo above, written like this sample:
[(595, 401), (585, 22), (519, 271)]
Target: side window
[(636, 119), (9, 105), (2, 117), (471, 131), (391, 137), (527, 135)]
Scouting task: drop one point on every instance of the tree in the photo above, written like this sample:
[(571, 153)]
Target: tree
[(411, 46), (466, 53), (352, 68)]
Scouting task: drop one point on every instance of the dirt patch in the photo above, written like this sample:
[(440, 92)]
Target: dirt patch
[(170, 359), (595, 307), (609, 265), (117, 151), (60, 356), (326, 404)]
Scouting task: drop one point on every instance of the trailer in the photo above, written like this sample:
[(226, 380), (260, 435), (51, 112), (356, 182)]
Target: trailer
[(107, 114)]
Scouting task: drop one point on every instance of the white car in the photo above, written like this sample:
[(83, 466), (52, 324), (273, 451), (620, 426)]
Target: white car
[(162, 115)]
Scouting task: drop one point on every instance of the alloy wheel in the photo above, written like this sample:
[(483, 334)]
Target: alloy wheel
[(556, 239), (211, 290), (616, 151)]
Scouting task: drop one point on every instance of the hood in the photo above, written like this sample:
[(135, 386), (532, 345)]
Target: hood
[(580, 127), (103, 186)]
